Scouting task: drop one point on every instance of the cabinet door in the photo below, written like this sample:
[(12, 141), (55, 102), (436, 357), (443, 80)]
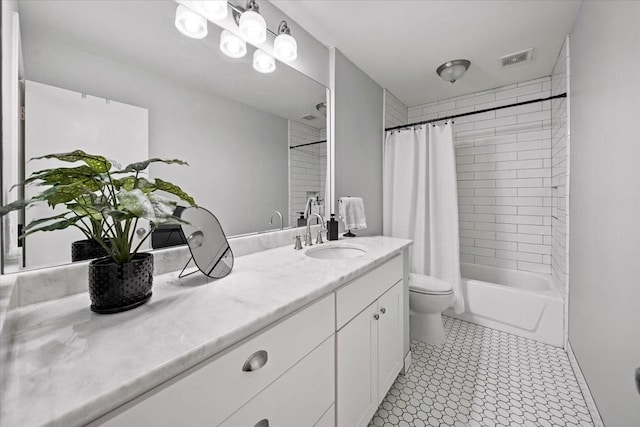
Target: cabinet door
[(390, 335), (357, 369)]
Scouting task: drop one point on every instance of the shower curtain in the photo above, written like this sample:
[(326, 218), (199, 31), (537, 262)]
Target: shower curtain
[(420, 196)]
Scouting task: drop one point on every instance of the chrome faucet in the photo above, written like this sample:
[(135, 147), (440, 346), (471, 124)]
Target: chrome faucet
[(308, 240), (280, 215)]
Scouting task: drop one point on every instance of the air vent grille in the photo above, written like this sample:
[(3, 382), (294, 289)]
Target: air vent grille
[(308, 117), (517, 58)]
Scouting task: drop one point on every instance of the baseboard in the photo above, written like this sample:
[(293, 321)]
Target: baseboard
[(584, 387)]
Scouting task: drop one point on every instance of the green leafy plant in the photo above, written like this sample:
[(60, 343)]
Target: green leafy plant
[(102, 201)]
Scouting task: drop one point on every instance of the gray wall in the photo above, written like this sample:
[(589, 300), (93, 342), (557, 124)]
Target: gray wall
[(358, 140), (604, 324), (238, 171)]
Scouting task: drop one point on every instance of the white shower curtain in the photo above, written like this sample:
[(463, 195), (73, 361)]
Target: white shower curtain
[(420, 194)]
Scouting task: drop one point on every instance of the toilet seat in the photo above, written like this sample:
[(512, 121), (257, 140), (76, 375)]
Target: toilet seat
[(428, 285)]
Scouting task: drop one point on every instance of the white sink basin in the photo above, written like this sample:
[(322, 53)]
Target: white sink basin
[(336, 251)]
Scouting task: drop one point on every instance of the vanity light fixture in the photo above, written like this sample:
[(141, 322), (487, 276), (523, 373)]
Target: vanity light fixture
[(252, 25), (263, 62), (190, 23), (232, 45), (451, 71), (215, 10), (285, 46)]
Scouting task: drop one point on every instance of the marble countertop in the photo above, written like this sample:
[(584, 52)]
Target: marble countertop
[(67, 366)]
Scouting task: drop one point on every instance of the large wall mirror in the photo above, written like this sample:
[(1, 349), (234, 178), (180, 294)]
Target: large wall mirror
[(117, 78)]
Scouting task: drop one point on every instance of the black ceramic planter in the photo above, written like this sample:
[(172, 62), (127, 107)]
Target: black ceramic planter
[(119, 287), (86, 249)]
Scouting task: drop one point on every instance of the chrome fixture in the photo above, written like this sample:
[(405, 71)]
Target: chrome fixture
[(298, 244), (192, 17), (256, 361), (281, 221), (451, 71), (322, 108), (284, 46), (308, 240), (253, 27)]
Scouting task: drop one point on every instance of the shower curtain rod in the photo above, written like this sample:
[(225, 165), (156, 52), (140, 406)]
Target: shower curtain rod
[(308, 143), (562, 95)]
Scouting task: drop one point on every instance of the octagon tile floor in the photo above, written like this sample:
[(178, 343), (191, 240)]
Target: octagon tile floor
[(482, 377)]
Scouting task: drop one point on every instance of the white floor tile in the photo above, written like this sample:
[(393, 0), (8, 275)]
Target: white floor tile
[(483, 377)]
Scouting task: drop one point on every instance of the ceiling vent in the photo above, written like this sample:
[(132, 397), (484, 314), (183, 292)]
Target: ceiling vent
[(517, 58), (308, 117)]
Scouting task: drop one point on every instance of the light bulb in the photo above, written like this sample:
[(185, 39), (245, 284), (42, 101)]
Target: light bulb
[(232, 45), (215, 10), (190, 23), (285, 47), (253, 27), (263, 62)]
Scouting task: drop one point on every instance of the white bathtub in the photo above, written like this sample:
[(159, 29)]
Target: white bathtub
[(518, 302)]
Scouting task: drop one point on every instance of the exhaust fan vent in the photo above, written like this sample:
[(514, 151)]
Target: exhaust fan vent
[(517, 58), (308, 117)]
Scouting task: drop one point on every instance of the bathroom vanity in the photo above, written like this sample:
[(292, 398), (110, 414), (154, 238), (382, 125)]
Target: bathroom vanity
[(285, 340)]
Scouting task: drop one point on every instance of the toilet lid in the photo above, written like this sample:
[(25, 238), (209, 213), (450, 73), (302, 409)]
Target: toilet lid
[(429, 285)]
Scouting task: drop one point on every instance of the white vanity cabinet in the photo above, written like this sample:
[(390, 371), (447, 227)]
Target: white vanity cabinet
[(369, 313), (277, 377), (330, 363)]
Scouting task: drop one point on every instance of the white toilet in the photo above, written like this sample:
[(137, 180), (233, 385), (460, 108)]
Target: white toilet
[(428, 298)]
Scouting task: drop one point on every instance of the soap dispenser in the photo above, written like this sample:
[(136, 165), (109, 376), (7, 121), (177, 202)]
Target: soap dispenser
[(332, 228), (302, 222)]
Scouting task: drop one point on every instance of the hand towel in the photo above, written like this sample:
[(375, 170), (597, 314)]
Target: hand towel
[(352, 213)]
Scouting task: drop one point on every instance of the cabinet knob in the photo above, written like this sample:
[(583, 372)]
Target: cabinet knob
[(376, 316), (256, 361), (383, 310), (262, 423)]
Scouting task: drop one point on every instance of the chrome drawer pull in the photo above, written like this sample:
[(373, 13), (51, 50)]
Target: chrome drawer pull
[(256, 361), (383, 310), (262, 423), (376, 316)]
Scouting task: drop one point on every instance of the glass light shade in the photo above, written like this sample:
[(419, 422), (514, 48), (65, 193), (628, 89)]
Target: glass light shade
[(453, 73), (232, 45), (452, 70), (253, 27), (215, 10), (190, 23), (285, 47), (263, 62)]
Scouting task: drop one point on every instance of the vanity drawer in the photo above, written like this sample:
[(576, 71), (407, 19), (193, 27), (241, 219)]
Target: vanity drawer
[(210, 392), (355, 296), (299, 398)]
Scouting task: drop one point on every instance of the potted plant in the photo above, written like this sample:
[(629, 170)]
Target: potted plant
[(106, 203)]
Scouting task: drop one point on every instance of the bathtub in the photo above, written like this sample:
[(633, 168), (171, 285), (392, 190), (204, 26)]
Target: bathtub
[(522, 303)]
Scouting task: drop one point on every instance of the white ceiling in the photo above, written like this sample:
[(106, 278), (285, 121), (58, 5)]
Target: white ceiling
[(401, 43)]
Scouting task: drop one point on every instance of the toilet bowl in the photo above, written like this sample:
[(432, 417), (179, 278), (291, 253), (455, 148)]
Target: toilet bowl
[(428, 298)]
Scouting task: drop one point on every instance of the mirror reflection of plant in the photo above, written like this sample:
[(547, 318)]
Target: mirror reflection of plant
[(103, 202)]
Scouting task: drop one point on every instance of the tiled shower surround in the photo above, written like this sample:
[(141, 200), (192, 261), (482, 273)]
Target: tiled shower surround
[(504, 174), (307, 166), (559, 172)]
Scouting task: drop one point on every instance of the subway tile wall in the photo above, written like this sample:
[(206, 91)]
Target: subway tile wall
[(560, 144), (307, 166), (395, 112), (559, 161), (504, 162)]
